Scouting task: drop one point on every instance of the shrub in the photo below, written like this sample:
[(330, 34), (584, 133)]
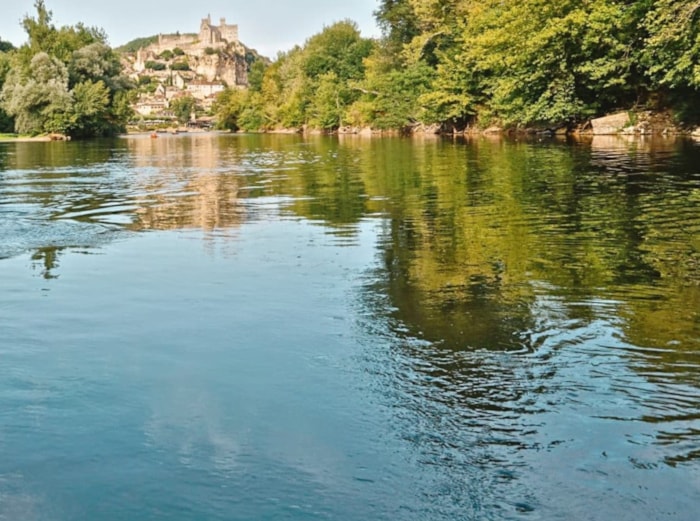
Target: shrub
[(180, 66), (155, 66)]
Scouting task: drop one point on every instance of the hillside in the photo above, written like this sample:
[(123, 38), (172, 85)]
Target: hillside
[(173, 67)]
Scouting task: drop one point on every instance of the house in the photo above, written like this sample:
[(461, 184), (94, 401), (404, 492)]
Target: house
[(201, 89), (151, 105)]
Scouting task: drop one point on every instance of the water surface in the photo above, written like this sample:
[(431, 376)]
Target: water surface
[(272, 327)]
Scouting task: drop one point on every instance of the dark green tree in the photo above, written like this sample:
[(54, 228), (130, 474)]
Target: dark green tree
[(183, 108)]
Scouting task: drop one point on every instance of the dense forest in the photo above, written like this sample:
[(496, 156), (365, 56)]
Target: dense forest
[(458, 63), (440, 63), (64, 80)]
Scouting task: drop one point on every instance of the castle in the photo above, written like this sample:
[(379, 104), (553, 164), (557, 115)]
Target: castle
[(213, 36), (212, 59)]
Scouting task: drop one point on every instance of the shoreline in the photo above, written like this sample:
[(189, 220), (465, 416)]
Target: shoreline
[(45, 138)]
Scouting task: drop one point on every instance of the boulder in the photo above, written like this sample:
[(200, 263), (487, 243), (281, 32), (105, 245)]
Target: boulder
[(612, 124)]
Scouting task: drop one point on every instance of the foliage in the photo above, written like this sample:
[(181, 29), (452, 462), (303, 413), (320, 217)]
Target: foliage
[(181, 65), (65, 80), (166, 55), (183, 108), (6, 46), (178, 52), (153, 65), (672, 53), (509, 62), (256, 73), (310, 85), (138, 43), (210, 51)]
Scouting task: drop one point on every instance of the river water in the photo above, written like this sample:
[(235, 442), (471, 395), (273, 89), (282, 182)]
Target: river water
[(230, 327)]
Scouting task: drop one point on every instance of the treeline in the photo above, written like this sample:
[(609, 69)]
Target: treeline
[(514, 63), (64, 80)]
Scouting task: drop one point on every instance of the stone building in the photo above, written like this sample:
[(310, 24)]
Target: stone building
[(213, 35)]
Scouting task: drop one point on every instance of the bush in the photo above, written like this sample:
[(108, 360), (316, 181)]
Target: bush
[(180, 66), (155, 66), (178, 52), (209, 51)]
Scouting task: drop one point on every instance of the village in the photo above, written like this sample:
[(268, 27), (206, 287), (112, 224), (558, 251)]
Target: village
[(180, 75)]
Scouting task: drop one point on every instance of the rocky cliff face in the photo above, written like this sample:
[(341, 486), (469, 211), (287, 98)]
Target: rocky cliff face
[(227, 62), (230, 67)]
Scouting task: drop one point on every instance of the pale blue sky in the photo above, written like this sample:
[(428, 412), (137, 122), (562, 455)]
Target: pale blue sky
[(267, 25)]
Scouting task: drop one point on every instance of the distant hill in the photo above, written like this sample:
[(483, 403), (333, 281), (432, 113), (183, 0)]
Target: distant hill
[(138, 43)]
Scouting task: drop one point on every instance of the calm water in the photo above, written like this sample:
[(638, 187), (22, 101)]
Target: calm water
[(268, 327)]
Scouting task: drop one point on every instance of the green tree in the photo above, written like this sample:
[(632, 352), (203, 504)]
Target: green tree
[(39, 100), (59, 42), (390, 96), (672, 51), (153, 65), (7, 124), (398, 23), (6, 46), (90, 111), (228, 108), (64, 80), (183, 108), (181, 65)]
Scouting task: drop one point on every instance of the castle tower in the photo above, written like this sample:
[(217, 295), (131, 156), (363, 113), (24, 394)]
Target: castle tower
[(205, 31)]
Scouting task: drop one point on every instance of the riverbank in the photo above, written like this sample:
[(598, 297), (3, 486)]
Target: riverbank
[(623, 123), (17, 138)]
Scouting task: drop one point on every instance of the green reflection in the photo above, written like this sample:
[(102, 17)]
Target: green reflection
[(473, 231)]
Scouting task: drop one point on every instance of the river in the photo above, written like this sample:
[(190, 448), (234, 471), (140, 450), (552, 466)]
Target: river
[(237, 327)]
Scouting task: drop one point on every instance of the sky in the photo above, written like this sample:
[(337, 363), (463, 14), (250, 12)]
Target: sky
[(266, 25)]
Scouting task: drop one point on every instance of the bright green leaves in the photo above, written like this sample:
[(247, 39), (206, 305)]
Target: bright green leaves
[(310, 85), (64, 80), (672, 54), (516, 63), (183, 108), (39, 100)]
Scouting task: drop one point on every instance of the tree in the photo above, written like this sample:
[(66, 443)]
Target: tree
[(672, 51), (390, 96), (181, 65), (398, 23), (7, 123), (6, 46), (89, 114), (64, 80), (96, 62), (59, 42), (40, 100), (183, 108), (155, 66)]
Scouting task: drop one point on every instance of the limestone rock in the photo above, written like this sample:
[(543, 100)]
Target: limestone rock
[(612, 124)]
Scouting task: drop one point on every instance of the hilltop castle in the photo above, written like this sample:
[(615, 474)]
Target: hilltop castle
[(212, 35), (200, 65), (214, 53)]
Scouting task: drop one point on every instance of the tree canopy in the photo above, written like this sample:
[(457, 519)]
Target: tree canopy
[(64, 79), (514, 63)]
